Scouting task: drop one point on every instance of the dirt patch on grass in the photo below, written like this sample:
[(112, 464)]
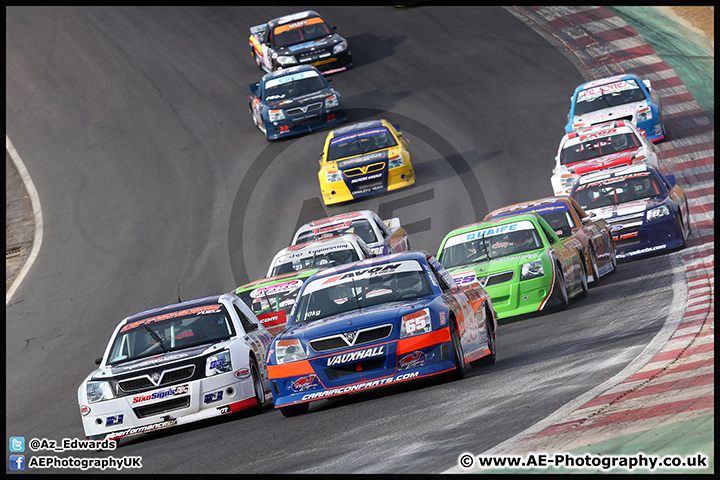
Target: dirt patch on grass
[(700, 18)]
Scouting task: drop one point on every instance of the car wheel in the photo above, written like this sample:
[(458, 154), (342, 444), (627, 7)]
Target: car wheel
[(257, 386), (583, 281), (594, 267), (490, 328), (293, 410), (613, 258), (459, 356), (560, 290)]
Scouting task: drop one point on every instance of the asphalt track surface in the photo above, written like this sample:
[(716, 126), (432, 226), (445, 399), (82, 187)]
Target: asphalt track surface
[(134, 126)]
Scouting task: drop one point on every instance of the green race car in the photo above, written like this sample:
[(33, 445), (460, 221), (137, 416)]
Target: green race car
[(272, 298), (519, 260)]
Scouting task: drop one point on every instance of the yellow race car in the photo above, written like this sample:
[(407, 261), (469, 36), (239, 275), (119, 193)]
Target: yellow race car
[(364, 159)]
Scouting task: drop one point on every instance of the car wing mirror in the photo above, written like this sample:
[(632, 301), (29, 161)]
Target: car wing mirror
[(671, 179), (251, 328), (98, 361)]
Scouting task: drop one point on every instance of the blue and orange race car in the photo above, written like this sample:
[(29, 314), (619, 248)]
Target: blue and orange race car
[(378, 322)]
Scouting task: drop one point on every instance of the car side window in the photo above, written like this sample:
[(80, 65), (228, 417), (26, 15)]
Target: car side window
[(381, 225), (248, 326)]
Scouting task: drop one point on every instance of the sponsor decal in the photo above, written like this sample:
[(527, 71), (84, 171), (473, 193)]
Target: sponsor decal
[(625, 236), (180, 313), (273, 319), (641, 251), (143, 429), (355, 356), (242, 373), (155, 361), (114, 420), (283, 287), (360, 386), (413, 360), (323, 62), (213, 397), (224, 409), (169, 392), (331, 228), (382, 155), (369, 177), (305, 383), (442, 319), (464, 278), (84, 410)]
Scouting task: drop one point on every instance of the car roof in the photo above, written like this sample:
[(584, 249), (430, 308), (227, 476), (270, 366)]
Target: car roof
[(291, 17), (356, 127), (493, 221), (600, 127), (289, 71), (302, 249), (539, 204), (341, 217), (276, 278), (180, 306), (419, 255), (615, 172), (606, 80)]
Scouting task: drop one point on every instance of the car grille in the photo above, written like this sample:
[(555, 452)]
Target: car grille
[(496, 278), (162, 407), (628, 118), (334, 373), (354, 172), (167, 377), (304, 109), (363, 336), (307, 121)]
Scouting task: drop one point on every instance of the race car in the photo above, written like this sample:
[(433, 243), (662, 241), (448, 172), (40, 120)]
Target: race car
[(271, 299), (598, 147), (620, 97), (378, 322), (294, 101), (322, 253), (519, 260), (174, 365), (590, 236), (303, 38), (382, 236), (646, 210), (364, 159)]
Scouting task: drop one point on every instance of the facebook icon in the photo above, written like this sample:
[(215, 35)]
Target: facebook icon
[(17, 462)]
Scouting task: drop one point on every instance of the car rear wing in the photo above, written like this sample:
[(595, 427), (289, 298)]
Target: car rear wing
[(393, 224)]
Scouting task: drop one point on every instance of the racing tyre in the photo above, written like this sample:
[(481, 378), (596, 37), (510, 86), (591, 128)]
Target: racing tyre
[(258, 387), (594, 268), (459, 356), (613, 258), (488, 359), (560, 290), (293, 410)]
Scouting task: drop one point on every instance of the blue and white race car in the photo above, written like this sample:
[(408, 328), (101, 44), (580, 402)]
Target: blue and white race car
[(620, 97), (646, 210), (293, 101), (378, 322)]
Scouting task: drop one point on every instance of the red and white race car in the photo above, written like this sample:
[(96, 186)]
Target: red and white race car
[(609, 145)]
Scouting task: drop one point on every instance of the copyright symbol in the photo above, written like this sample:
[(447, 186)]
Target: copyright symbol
[(34, 444), (466, 460)]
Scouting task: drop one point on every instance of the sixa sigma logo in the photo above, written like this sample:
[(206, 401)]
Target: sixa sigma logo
[(355, 356), (179, 390)]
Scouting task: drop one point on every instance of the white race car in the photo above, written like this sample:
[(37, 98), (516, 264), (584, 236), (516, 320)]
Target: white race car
[(177, 364), (382, 236), (609, 145), (324, 253)]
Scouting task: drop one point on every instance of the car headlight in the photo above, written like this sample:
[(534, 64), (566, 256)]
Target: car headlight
[(415, 323), (532, 269), (333, 176), (396, 161), (285, 60), (340, 47), (276, 115), (332, 101), (218, 363), (658, 212), (99, 391), (567, 180), (287, 351)]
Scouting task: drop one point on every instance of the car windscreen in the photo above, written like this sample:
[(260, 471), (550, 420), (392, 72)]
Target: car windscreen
[(293, 85), (593, 146), (320, 258), (359, 143), (327, 296), (606, 96), (617, 190), (171, 331), (490, 243), (560, 221), (306, 30), (360, 227), (272, 298)]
